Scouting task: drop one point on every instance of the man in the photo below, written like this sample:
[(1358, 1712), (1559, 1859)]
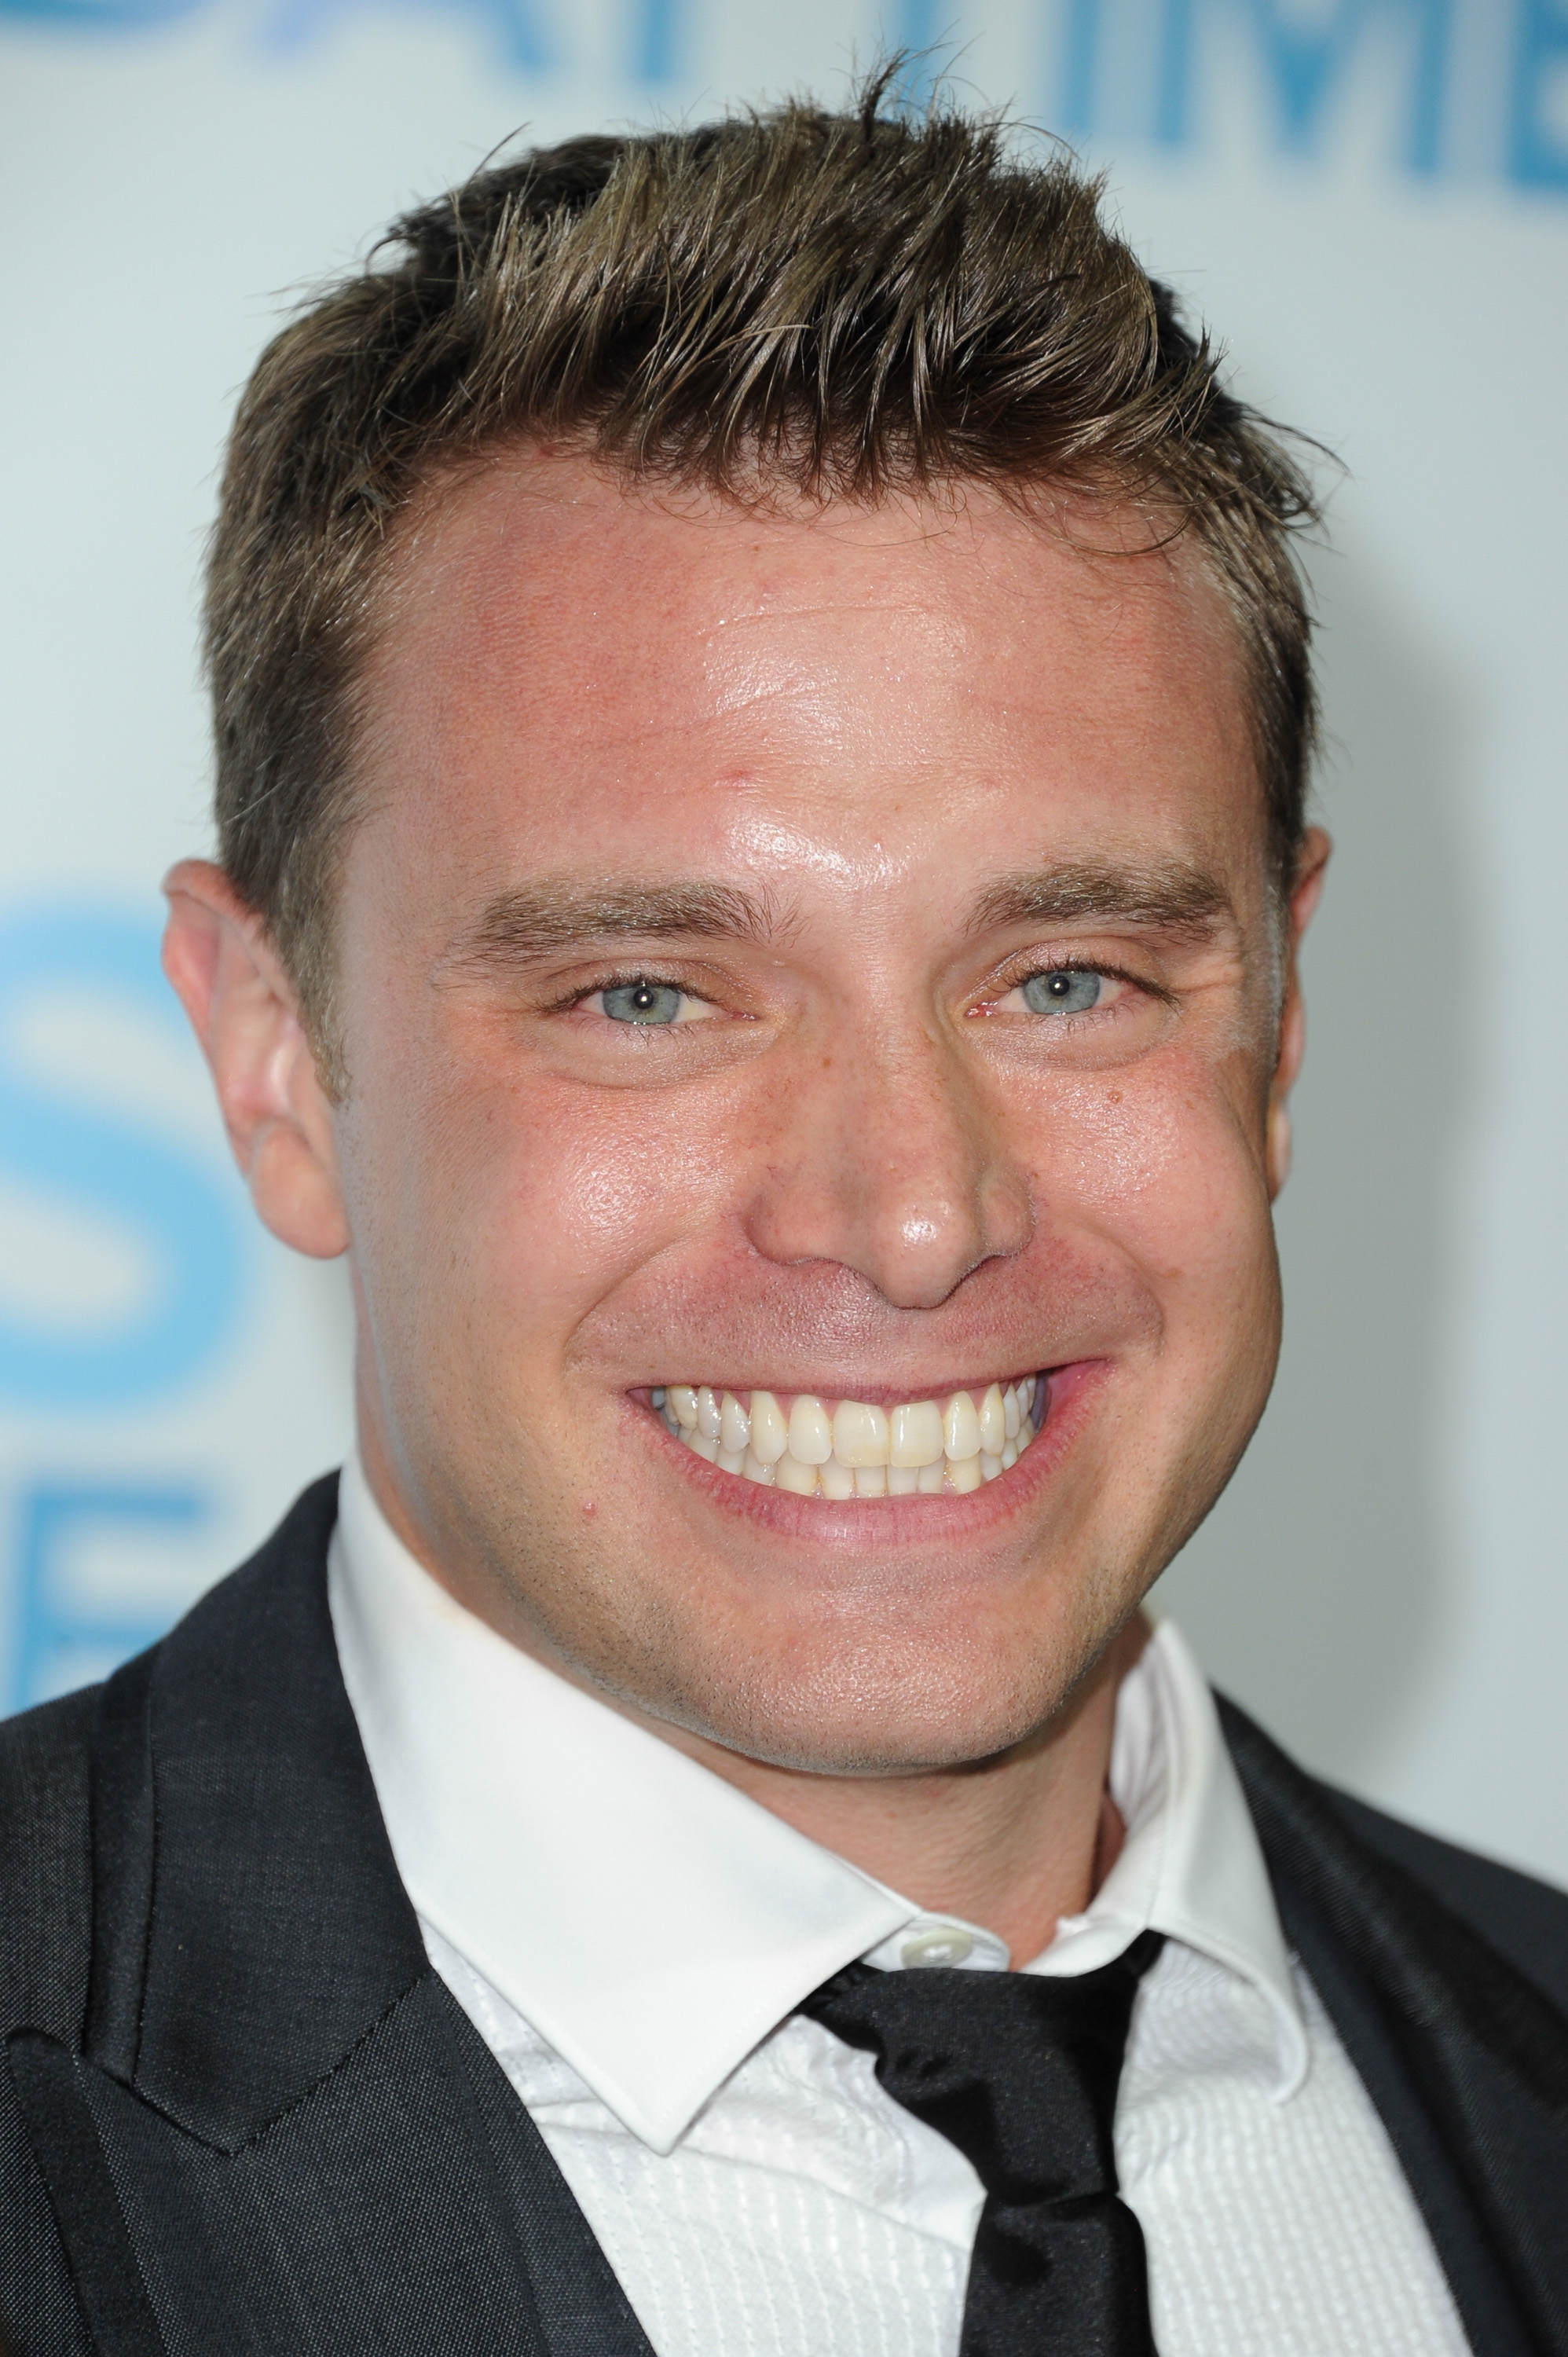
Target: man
[(763, 714)]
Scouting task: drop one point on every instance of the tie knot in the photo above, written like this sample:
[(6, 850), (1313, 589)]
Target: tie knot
[(1019, 2070)]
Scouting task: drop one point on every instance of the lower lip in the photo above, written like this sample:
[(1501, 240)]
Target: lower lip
[(890, 1520)]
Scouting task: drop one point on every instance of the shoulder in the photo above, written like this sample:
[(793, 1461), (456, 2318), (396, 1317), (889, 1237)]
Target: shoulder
[(1377, 1886), (1526, 1920), (272, 1611), (45, 1863)]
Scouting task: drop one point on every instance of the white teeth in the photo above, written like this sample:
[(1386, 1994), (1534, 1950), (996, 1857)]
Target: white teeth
[(734, 1425), (810, 1434), (854, 1448), (960, 1430), (859, 1434), (770, 1433), (915, 1434), (683, 1400)]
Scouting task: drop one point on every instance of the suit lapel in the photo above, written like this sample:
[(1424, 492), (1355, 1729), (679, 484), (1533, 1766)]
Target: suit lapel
[(312, 2150), (1465, 2059), (249, 1927)]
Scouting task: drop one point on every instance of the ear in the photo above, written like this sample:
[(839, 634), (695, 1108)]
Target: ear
[(243, 1010), (1305, 894)]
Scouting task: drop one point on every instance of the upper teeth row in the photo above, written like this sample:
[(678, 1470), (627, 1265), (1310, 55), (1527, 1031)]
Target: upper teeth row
[(851, 1448)]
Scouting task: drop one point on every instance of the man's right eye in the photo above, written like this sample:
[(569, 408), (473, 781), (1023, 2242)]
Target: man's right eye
[(641, 1002)]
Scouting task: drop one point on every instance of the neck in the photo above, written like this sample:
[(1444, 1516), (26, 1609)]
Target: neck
[(1011, 1844)]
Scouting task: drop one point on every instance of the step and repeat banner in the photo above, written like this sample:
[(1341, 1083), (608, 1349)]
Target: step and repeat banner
[(1367, 199)]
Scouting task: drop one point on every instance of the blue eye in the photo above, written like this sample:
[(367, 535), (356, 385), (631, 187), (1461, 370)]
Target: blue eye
[(1063, 990), (642, 1002)]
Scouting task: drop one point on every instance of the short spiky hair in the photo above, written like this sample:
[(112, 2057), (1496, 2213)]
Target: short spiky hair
[(832, 305)]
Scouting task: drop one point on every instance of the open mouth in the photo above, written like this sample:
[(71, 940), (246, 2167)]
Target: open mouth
[(852, 1448)]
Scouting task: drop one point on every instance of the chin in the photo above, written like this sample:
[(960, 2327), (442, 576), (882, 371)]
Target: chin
[(884, 1707)]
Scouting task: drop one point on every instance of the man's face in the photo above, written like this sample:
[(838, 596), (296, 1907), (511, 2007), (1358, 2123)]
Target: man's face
[(822, 955)]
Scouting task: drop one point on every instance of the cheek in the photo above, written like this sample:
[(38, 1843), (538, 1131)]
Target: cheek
[(1167, 1164), (616, 1175), (1121, 1148), (534, 1201)]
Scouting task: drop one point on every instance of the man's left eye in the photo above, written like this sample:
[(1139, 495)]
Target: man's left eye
[(643, 1002), (1063, 990)]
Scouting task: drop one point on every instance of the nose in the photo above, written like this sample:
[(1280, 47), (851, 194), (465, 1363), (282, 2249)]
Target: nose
[(889, 1161)]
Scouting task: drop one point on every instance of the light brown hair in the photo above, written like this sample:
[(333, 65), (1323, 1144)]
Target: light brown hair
[(835, 306)]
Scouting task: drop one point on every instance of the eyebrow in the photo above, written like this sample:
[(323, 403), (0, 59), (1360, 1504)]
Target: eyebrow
[(1174, 896), (540, 920)]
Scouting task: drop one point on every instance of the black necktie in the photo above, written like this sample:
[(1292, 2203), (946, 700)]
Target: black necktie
[(1020, 2071)]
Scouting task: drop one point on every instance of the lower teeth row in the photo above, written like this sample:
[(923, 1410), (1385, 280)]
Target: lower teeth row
[(956, 1474)]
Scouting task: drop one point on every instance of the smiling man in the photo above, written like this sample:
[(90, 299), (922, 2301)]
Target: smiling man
[(763, 721)]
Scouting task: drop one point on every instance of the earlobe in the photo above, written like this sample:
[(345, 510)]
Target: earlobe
[(1277, 1138), (243, 1011), (1306, 893), (1278, 1147), (1312, 867)]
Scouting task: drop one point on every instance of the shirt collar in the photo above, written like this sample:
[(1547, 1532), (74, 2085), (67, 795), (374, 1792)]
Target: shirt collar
[(651, 1921), (1192, 1865)]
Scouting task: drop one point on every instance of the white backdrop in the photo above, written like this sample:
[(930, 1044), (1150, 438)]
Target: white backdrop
[(1369, 198)]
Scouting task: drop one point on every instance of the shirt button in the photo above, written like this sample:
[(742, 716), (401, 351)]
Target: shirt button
[(944, 1943)]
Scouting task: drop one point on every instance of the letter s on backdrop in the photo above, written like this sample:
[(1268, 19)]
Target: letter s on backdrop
[(108, 1166)]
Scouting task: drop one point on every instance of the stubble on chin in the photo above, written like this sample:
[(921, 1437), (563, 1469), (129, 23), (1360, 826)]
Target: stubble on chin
[(867, 1693)]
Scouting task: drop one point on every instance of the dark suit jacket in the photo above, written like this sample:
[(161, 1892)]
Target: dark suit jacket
[(243, 2118)]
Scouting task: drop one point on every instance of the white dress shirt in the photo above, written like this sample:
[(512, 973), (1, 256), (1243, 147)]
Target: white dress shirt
[(630, 1934)]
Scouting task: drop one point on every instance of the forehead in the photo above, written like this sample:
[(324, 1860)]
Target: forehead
[(565, 666)]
